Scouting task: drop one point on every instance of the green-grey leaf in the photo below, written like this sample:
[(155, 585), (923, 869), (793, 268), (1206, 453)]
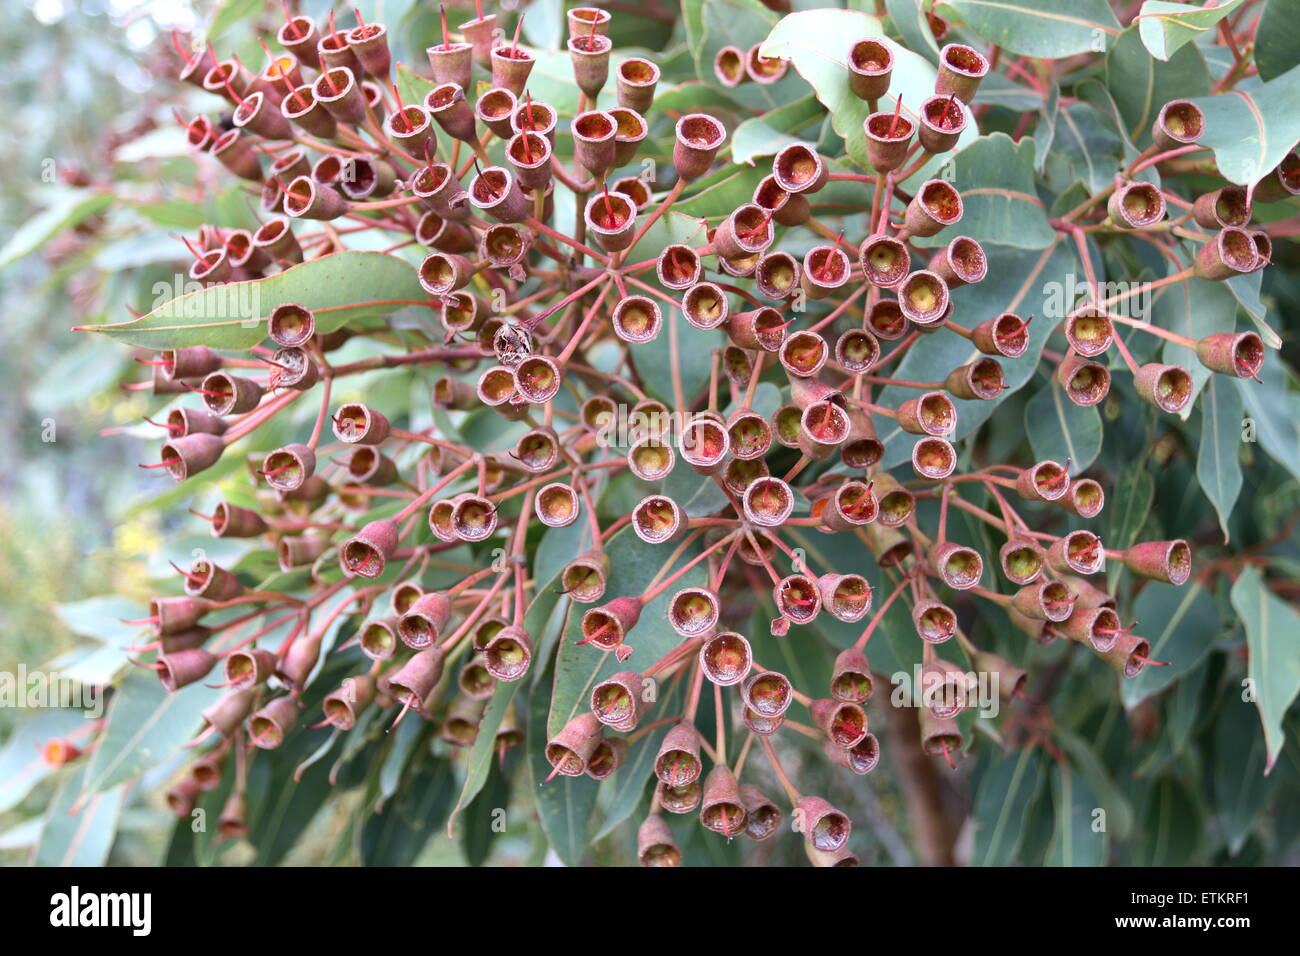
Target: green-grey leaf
[(1277, 41), (77, 832), (1059, 429), (67, 211), (1271, 628), (1141, 85), (1167, 26), (1050, 29), (1180, 623), (1217, 467), (1004, 796), (1074, 840), (1251, 132)]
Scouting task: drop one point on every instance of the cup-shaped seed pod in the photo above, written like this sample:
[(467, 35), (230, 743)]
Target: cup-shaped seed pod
[(797, 598), (261, 114), (940, 736), (871, 64), (413, 684), (923, 299), (888, 135), (529, 157), (729, 66), (1179, 123), (1129, 655), (960, 70), (556, 505), (786, 208), (1226, 206), (616, 701), (693, 611), (959, 566), (343, 705), (884, 260), (650, 460), (607, 626), (936, 206), (508, 654), (233, 151), (934, 458), (339, 92), (1085, 382), (291, 325), (935, 622), (1006, 335), (657, 519), (449, 108), (278, 240), (1089, 330), (594, 135), (496, 386), (750, 434), (767, 693), (183, 667), (799, 169), (704, 445), (438, 186), (698, 139), (635, 80), (979, 380), (762, 816), (826, 828), (1168, 561), (402, 597), (190, 454), (740, 474), (481, 33), (1232, 353), (226, 79), (761, 724), (226, 394), (232, 521), (451, 63), (533, 116), (300, 551), (1167, 387), (851, 505), (678, 267), (1085, 498), (304, 198), (1044, 601), (291, 164), (367, 553), (607, 757), (1281, 182), (942, 121), (961, 262), (538, 379), (538, 449), (851, 677), (211, 267), (655, 845), (895, 503), (494, 109), (1043, 481), (705, 306), (268, 726), (294, 370), (825, 269), (411, 128), (511, 66), (473, 518), (726, 658), (589, 56), (1230, 252), (228, 713), (764, 69), (747, 231), (464, 716), (496, 192), (843, 723), (631, 133), (721, 808), (302, 108), (786, 426), (777, 274), (505, 245), (768, 502), (1097, 627), (212, 582), (679, 799), (357, 424), (804, 353), (931, 413), (677, 763), (289, 467), (1136, 205), (369, 44), (1078, 552), (423, 625), (379, 638), (570, 749), (611, 219), (232, 822), (886, 321), (761, 328), (334, 51), (847, 597), (442, 273)]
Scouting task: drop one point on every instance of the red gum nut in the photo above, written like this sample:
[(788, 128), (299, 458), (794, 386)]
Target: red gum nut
[(1085, 498), (184, 668), (981, 380), (747, 231), (508, 654), (1097, 627), (798, 169), (698, 139), (1179, 123), (451, 63), (1232, 353), (1136, 205), (496, 192), (940, 736), (825, 269), (229, 711), (1089, 331), (611, 219), (589, 56), (342, 706), (960, 70), (636, 80), (249, 667), (959, 566), (871, 64), (448, 106), (1128, 655), (1169, 561), (721, 809), (356, 424), (655, 845), (1085, 382), (303, 109), (556, 505), (762, 816), (607, 626), (886, 150), (1281, 182), (851, 677), (764, 69), (529, 156), (936, 205), (886, 321), (262, 115), (693, 611), (304, 198), (935, 622), (570, 749), (368, 552), (232, 521), (1010, 678), (931, 413), (1079, 552), (942, 121), (411, 128), (1228, 253), (961, 262), (278, 240), (1226, 206), (787, 209), (768, 502), (232, 150), (1044, 601), (191, 454), (824, 827), (299, 551), (847, 597), (885, 260), (761, 724), (288, 468), (422, 626), (1168, 387), (923, 299), (797, 597), (616, 701), (804, 353), (678, 762), (706, 307), (844, 724), (767, 693), (379, 638), (1006, 335), (595, 141), (369, 43), (896, 503), (481, 33), (861, 759), (338, 91), (933, 458), (207, 580), (678, 267), (761, 328), (268, 726), (726, 658), (1044, 481), (679, 799), (607, 757), (441, 273), (510, 68), (729, 66)]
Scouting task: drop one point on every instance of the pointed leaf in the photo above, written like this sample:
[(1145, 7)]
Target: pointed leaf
[(1217, 467), (1051, 29), (1059, 429), (1271, 628), (1167, 26)]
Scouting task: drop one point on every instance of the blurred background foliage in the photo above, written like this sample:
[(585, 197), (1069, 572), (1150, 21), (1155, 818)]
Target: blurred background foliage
[(1176, 759)]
